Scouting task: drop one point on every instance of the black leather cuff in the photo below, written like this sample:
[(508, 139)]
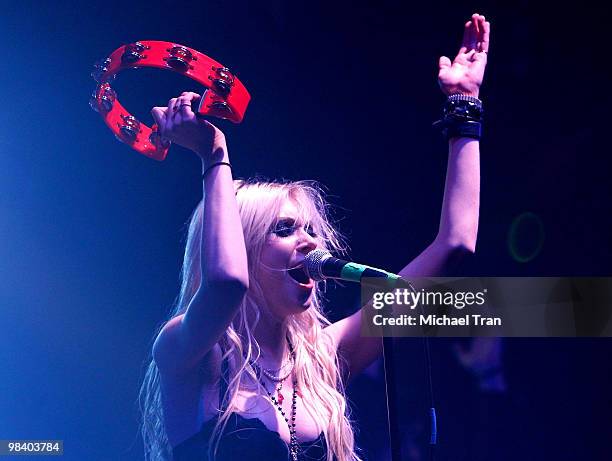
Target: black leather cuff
[(467, 129), (462, 117)]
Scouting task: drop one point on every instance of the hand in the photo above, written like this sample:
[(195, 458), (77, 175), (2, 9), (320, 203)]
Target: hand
[(178, 123), (464, 75)]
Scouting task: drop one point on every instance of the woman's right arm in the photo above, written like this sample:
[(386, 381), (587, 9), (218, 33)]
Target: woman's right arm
[(187, 338)]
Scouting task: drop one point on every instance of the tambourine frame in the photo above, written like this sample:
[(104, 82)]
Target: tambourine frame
[(225, 96)]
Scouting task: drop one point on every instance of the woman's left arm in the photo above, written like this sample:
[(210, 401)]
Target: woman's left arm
[(459, 217)]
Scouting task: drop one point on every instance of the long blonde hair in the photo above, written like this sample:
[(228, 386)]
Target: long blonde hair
[(316, 367)]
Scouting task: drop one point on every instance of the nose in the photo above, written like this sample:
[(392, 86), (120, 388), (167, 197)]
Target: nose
[(307, 242)]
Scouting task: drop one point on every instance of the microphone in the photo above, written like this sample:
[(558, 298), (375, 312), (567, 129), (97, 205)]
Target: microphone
[(320, 265)]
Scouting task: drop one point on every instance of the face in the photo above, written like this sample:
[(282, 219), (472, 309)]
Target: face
[(286, 288)]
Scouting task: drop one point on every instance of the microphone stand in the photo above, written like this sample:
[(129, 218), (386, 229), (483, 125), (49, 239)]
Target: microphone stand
[(392, 414), (391, 391)]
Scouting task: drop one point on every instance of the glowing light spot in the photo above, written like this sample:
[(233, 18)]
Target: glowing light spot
[(526, 237)]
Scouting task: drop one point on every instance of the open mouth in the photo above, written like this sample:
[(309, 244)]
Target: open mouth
[(299, 275)]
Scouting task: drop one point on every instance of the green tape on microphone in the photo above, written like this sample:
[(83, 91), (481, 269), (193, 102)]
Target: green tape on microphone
[(353, 271)]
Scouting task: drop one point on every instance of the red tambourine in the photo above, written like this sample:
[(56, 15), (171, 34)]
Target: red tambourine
[(225, 96)]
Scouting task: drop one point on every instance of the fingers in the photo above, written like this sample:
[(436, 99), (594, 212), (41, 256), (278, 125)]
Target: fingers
[(444, 62), (190, 96), (467, 31), (173, 121), (475, 21), (185, 103), (179, 110), (177, 122), (475, 35), (481, 33), (159, 115), (163, 116), (172, 106), (484, 42)]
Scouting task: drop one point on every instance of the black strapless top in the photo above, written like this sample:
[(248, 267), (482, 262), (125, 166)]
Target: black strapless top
[(244, 439)]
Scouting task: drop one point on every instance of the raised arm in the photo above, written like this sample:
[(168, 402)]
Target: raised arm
[(459, 217), (187, 338)]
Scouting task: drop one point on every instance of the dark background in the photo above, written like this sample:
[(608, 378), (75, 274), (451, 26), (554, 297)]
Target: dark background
[(342, 92)]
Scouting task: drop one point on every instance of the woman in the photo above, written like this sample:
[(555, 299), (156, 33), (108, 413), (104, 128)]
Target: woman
[(248, 367)]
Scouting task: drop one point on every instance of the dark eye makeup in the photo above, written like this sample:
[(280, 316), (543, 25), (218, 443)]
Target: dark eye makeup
[(286, 227), (310, 231)]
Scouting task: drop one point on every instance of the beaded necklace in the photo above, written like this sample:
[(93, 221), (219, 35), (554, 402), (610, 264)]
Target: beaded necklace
[(293, 443), (271, 374)]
